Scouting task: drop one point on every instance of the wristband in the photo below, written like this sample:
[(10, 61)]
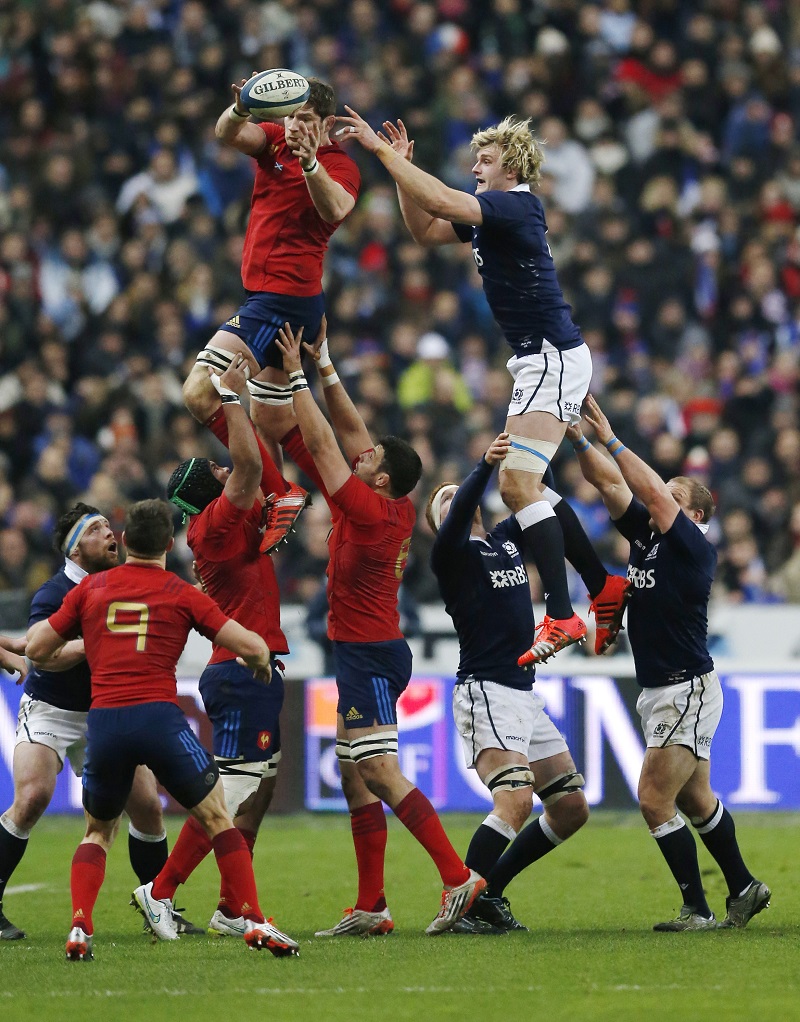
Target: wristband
[(581, 444), (618, 450), (235, 115), (296, 374), (299, 382), (330, 380), (384, 148), (230, 399), (324, 358), (223, 391), (311, 170)]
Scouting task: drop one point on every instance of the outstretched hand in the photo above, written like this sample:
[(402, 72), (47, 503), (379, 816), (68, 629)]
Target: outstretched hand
[(397, 138), (596, 418), (315, 349), (355, 127), (498, 449), (290, 346)]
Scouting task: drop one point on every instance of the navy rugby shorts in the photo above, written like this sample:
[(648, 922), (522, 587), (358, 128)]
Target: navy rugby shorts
[(257, 322), (370, 678), (243, 711)]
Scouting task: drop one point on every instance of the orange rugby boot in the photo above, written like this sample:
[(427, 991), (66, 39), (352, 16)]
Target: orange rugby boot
[(550, 637), (608, 608), (281, 514)]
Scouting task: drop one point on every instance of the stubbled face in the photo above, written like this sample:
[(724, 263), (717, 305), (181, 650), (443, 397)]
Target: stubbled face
[(219, 472), (97, 550), (302, 119), (490, 174), (368, 466)]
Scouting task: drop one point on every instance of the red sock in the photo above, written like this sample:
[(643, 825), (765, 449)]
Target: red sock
[(86, 879), (417, 814), (226, 898), (236, 871), (271, 479), (295, 447), (192, 846), (368, 824)]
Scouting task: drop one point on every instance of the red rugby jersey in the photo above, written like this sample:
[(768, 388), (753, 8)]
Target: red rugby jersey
[(135, 620), (224, 540), (286, 237), (368, 552)]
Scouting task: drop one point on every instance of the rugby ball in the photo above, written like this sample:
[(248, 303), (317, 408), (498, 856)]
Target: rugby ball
[(275, 93)]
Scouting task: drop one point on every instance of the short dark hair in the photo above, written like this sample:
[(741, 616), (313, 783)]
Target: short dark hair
[(321, 98), (149, 528), (192, 486), (68, 519), (401, 463)]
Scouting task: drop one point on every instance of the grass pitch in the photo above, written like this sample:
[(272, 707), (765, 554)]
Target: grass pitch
[(590, 952)]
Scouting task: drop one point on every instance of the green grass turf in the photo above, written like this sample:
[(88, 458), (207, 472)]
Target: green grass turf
[(591, 953)]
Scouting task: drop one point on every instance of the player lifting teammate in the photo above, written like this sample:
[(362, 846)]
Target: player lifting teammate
[(551, 365), (372, 524), (305, 186)]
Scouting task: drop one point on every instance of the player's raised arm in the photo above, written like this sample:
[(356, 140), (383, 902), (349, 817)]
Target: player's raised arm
[(317, 433), (305, 133), (235, 128), (425, 190), (243, 484)]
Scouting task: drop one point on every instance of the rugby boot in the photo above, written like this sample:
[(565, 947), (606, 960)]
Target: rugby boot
[(456, 902), (357, 923), (471, 926), (79, 946), (157, 912), (741, 910), (608, 608), (183, 924), (265, 936), (551, 637), (688, 920), (496, 911), (281, 514), (225, 926), (8, 931)]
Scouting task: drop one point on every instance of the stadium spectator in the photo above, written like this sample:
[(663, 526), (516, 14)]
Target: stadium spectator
[(672, 566)]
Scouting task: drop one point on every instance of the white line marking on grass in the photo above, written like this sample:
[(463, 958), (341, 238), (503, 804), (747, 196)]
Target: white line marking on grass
[(25, 888)]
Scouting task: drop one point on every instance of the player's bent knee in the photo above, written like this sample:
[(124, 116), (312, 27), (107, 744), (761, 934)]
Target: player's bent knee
[(510, 777), (563, 784), (29, 807)]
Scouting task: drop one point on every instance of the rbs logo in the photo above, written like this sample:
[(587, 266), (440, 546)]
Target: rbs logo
[(642, 579)]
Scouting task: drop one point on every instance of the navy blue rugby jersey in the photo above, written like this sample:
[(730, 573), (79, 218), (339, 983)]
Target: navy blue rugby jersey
[(485, 589), (72, 689), (519, 276), (668, 610)]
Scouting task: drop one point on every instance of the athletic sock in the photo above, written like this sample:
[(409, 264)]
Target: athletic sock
[(226, 896), (417, 814), (192, 846), (368, 825), (86, 879), (718, 834), (578, 550), (13, 845), (488, 843), (534, 841), (676, 844), (236, 871), (543, 543), (148, 853), (271, 479), (295, 447)]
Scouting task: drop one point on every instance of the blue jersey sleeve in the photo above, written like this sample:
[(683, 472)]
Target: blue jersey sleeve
[(46, 601), (687, 541), (635, 520), (463, 232), (456, 527), (499, 208)]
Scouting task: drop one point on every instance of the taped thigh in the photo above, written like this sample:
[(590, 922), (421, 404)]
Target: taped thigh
[(218, 359), (343, 753), (509, 777), (528, 455), (382, 743), (563, 784), (270, 393)]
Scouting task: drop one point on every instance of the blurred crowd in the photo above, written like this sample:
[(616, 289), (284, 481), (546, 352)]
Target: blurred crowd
[(672, 192)]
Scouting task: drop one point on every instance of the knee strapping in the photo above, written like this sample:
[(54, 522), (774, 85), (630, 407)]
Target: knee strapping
[(343, 753), (509, 778), (564, 784), (218, 359), (382, 743), (528, 455), (270, 393)]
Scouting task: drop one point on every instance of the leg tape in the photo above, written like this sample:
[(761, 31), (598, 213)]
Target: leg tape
[(218, 359), (382, 743), (528, 455), (560, 786), (270, 393), (509, 778)]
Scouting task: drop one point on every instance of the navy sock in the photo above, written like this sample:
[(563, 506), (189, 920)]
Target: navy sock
[(680, 851), (720, 840), (544, 544), (147, 857), (12, 848), (529, 845), (578, 550), (485, 848)]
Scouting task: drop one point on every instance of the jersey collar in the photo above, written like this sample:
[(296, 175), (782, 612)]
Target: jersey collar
[(521, 187), (74, 572)]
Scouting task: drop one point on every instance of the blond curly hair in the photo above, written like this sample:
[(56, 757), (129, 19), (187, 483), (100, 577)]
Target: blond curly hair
[(519, 150)]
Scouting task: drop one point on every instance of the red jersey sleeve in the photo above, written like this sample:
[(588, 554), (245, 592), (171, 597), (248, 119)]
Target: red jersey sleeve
[(67, 619), (214, 533), (274, 132), (207, 618), (362, 505)]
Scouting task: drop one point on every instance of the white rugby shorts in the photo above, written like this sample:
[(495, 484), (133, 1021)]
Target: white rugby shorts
[(492, 716), (553, 381), (63, 731), (240, 780), (684, 714)]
